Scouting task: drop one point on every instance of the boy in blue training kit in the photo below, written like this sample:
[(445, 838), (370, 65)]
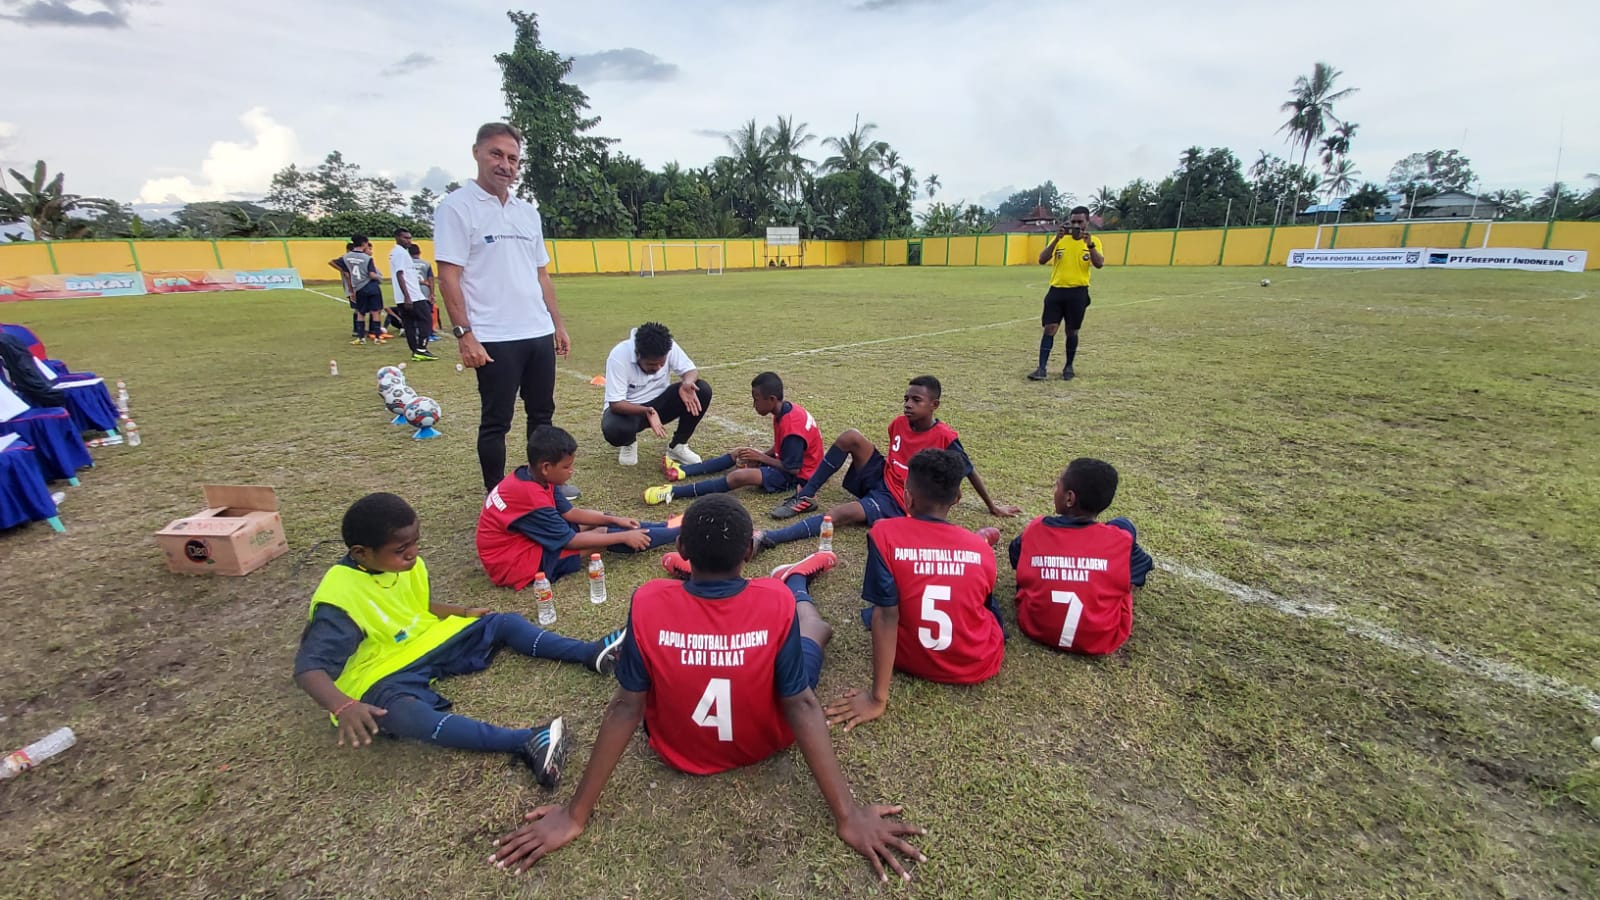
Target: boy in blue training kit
[(361, 283), (375, 642), (796, 452)]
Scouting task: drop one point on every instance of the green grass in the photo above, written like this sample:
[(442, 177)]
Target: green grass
[(1416, 449)]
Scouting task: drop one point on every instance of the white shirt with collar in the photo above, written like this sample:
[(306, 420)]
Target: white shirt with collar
[(626, 381), (401, 268), (500, 248)]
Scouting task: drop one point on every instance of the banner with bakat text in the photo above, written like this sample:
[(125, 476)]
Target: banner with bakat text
[(61, 287), (195, 280)]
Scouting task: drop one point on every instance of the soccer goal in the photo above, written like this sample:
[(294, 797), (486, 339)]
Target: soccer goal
[(681, 257)]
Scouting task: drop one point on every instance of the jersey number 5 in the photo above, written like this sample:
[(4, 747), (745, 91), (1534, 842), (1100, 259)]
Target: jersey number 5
[(937, 638), (715, 708), (1069, 627)]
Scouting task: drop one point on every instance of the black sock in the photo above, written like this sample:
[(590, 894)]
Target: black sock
[(1046, 343), (1072, 348)]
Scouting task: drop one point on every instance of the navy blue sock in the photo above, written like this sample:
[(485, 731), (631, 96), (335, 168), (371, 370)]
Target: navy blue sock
[(799, 586), (716, 464), (1072, 348), (832, 461), (700, 488), (799, 531), (1046, 344)]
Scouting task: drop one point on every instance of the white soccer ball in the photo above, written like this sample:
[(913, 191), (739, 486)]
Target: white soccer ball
[(1266, 282), (389, 375), (423, 412), (396, 396)]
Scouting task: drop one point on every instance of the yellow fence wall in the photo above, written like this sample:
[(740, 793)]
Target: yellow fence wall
[(1193, 247)]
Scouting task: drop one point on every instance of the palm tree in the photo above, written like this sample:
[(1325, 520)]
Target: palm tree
[(931, 185), (1337, 145), (786, 140), (1262, 166), (43, 204), (754, 171), (1341, 178), (1310, 106), (1104, 202), (855, 152)]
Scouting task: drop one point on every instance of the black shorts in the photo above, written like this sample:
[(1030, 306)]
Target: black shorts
[(1065, 304), (369, 299)]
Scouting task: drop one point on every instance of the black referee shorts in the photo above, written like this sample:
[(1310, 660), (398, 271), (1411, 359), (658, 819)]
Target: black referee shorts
[(1066, 304)]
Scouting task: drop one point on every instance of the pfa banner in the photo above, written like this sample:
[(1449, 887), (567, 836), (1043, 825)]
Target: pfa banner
[(1359, 258), (57, 287), (1509, 258), (195, 280)]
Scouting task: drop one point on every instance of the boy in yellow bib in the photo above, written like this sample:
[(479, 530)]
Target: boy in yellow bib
[(375, 642)]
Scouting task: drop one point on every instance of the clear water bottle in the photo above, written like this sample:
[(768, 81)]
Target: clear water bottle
[(597, 579), (825, 541), (122, 397), (18, 761), (130, 430), (545, 598), (333, 367)]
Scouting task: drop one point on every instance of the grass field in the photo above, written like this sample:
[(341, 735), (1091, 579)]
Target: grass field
[(1367, 667)]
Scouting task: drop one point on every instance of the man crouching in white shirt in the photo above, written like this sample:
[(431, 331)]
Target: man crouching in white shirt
[(640, 395)]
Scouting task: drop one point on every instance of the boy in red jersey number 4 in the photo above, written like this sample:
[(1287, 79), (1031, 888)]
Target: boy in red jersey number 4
[(722, 673), (1075, 576), (931, 586), (878, 481)]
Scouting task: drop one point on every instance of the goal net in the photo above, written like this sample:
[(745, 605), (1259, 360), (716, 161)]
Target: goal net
[(681, 257)]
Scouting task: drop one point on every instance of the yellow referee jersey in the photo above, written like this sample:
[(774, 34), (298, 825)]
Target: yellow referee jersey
[(1071, 267)]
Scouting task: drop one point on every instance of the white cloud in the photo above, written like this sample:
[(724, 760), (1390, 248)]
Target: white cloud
[(232, 169)]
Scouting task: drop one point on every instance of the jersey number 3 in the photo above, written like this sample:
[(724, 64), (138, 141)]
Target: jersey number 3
[(715, 708), (1069, 627)]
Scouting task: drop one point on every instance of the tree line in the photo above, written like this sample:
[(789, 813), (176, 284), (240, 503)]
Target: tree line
[(853, 186)]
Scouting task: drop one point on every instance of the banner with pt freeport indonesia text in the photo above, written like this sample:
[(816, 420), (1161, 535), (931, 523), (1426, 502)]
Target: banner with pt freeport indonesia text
[(1358, 258), (1509, 258), (59, 287), (195, 280)]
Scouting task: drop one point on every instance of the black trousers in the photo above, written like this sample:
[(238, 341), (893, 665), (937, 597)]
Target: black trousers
[(526, 368), (620, 430), (418, 321)]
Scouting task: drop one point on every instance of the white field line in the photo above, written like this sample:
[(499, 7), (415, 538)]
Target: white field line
[(330, 296), (1463, 662)]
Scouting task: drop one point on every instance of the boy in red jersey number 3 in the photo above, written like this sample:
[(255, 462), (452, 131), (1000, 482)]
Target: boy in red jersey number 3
[(723, 673)]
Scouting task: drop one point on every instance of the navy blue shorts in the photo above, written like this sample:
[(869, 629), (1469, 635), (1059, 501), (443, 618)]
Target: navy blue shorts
[(775, 480), (871, 491), (369, 299), (469, 650), (811, 652)]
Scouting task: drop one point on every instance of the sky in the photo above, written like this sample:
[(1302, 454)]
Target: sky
[(170, 101)]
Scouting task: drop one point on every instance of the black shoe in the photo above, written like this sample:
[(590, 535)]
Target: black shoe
[(1038, 374), (1066, 374), (605, 662), (570, 491), (759, 542), (795, 506), (544, 753)]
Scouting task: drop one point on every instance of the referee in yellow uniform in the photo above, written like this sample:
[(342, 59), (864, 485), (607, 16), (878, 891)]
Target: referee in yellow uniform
[(1070, 255)]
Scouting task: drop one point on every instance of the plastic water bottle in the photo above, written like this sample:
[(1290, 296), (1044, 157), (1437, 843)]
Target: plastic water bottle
[(333, 367), (122, 397), (545, 598), (825, 543), (597, 579), (130, 429), (18, 761)]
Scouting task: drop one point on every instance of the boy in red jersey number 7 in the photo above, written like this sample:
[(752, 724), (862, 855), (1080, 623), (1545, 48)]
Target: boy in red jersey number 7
[(722, 673)]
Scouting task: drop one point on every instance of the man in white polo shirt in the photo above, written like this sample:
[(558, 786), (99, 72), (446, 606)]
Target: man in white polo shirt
[(494, 275), (640, 395), (408, 297)]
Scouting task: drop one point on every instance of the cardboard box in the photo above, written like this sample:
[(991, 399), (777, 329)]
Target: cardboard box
[(238, 532)]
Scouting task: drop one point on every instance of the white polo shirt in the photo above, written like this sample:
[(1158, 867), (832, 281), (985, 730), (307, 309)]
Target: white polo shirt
[(626, 381), (400, 267), (500, 248)]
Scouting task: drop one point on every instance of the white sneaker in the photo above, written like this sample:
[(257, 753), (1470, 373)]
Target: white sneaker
[(629, 455), (683, 454)]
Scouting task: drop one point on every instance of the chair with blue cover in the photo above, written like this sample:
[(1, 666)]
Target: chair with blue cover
[(24, 497), (36, 347), (82, 394), (56, 441)]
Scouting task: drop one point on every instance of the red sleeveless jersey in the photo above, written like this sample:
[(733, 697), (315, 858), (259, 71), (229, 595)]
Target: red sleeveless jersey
[(1073, 587), (798, 422), (712, 703), (905, 443), (512, 559), (944, 574)]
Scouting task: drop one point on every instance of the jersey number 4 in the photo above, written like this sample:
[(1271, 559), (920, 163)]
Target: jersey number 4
[(938, 637), (1069, 627), (715, 708)]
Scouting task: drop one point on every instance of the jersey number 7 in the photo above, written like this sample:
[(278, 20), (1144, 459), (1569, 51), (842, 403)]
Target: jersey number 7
[(715, 709), (1069, 627)]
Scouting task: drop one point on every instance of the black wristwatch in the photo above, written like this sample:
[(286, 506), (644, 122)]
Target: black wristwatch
[(460, 331)]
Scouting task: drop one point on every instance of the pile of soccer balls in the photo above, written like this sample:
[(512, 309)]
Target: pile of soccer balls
[(421, 413)]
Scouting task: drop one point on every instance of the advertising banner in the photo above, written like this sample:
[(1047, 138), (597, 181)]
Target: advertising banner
[(1509, 258), (58, 287), (194, 280), (1359, 258)]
